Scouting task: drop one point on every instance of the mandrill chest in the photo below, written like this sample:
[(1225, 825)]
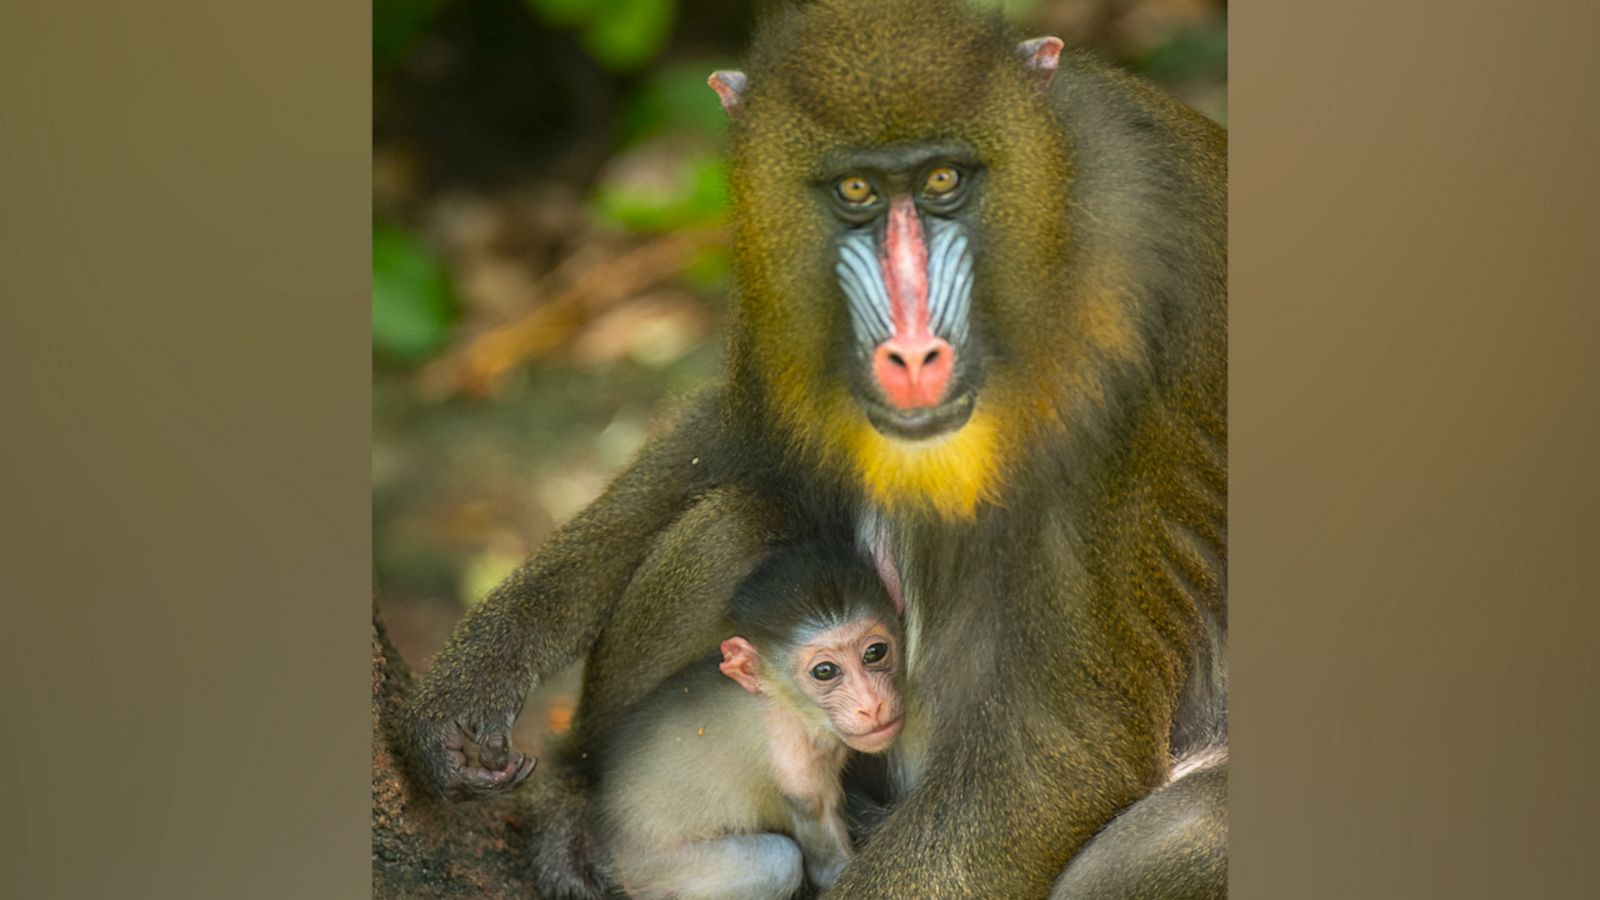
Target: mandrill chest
[(955, 611), (951, 582)]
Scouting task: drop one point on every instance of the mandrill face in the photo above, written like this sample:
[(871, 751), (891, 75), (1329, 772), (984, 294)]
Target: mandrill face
[(900, 250), (904, 263)]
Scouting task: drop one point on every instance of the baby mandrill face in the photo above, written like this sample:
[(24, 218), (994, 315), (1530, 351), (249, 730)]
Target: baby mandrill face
[(852, 674)]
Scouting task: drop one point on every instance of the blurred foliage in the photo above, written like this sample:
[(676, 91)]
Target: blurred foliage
[(396, 24), (674, 98), (695, 195), (1192, 53), (1012, 9), (523, 152), (412, 303), (669, 172), (621, 34)]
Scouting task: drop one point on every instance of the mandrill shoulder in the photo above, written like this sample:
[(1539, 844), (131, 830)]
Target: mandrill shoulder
[(1129, 141), (1148, 198), (1101, 104)]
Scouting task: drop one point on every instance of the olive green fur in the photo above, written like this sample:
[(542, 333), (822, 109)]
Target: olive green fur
[(1068, 640)]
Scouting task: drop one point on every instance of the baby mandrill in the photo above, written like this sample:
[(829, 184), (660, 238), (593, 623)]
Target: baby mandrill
[(724, 781)]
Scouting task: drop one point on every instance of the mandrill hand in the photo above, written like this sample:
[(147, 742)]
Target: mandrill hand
[(438, 747)]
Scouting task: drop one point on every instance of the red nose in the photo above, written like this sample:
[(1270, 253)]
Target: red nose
[(913, 372)]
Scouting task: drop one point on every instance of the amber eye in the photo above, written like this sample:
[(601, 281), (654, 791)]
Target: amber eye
[(941, 181), (875, 653), (826, 671), (855, 190)]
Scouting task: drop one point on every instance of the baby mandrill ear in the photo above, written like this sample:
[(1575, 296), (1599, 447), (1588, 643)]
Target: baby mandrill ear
[(741, 663)]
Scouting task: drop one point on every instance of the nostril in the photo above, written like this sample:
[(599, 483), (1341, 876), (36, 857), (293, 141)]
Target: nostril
[(913, 372)]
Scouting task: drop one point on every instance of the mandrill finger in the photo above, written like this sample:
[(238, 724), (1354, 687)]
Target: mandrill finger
[(452, 752), (474, 781), (494, 751), (524, 769)]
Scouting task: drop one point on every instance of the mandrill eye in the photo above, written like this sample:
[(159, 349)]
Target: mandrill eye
[(825, 671), (855, 190), (941, 182), (875, 653)]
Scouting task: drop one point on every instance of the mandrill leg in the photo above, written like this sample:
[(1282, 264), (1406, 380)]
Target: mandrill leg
[(1172, 845)]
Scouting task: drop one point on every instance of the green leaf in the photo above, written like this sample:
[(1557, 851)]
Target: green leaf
[(1195, 52), (412, 304), (396, 25), (626, 34), (696, 195), (676, 97), (564, 13)]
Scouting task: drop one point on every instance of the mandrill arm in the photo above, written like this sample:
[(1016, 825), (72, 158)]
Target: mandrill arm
[(548, 613)]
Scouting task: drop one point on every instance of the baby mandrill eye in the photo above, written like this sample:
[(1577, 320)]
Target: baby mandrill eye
[(875, 653), (826, 671)]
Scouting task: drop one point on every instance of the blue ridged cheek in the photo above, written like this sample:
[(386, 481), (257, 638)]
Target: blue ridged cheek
[(949, 284), (865, 293)]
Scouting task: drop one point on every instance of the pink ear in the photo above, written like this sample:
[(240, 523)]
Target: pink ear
[(729, 85), (1042, 55), (741, 663)]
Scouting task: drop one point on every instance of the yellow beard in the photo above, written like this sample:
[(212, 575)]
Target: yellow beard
[(948, 475)]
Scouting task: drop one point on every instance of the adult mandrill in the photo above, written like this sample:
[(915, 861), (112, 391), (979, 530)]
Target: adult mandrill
[(982, 328)]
